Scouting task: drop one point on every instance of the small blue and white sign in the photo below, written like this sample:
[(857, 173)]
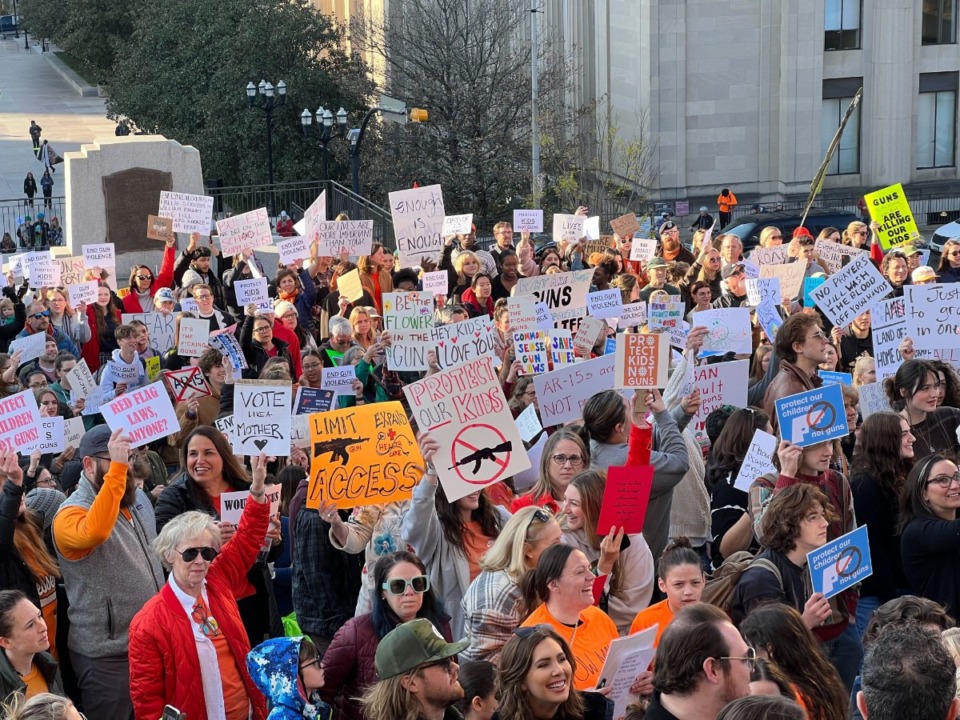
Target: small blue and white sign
[(830, 377), (812, 417), (841, 564), (611, 346)]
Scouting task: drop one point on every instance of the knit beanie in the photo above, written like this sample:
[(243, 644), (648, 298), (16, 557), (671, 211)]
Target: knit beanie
[(45, 502)]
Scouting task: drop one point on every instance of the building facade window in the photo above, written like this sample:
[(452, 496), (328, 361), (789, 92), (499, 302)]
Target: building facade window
[(937, 120), (939, 24), (837, 96), (842, 25)]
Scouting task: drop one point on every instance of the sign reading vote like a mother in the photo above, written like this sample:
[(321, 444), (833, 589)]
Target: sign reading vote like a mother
[(261, 418)]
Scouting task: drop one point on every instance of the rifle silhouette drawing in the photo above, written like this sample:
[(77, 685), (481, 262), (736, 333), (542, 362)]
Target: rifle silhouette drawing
[(336, 448), (484, 454)]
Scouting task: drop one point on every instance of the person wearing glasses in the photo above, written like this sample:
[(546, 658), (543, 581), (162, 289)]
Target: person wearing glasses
[(949, 268), (68, 320), (207, 309), (801, 346), (143, 285), (402, 592), (564, 455), (733, 287), (706, 270), (188, 645), (102, 534), (38, 321), (259, 344), (287, 670)]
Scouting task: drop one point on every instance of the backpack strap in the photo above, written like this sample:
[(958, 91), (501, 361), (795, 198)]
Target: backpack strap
[(769, 567)]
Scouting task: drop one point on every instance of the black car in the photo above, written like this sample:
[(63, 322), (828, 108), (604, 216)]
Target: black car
[(749, 227)]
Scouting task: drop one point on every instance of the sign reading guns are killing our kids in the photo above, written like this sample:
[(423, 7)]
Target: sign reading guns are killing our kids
[(812, 417), (19, 421), (144, 415), (417, 223), (642, 360), (465, 411), (338, 237), (851, 291), (261, 417), (364, 455), (528, 221), (841, 564), (190, 213), (889, 207), (245, 232)]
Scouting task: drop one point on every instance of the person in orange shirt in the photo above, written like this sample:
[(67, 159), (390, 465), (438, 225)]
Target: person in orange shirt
[(727, 202)]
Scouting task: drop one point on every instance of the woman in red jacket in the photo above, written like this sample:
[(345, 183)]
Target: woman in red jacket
[(188, 643), (143, 285)]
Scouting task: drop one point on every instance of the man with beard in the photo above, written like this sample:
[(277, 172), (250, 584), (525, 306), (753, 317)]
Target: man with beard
[(671, 249), (702, 664), (103, 535)]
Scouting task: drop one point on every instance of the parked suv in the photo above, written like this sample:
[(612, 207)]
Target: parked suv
[(749, 227)]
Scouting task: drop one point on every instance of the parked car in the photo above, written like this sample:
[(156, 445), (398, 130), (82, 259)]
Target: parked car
[(749, 227), (8, 23), (942, 234)]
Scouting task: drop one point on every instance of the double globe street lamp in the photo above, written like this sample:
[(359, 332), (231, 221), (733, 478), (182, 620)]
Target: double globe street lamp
[(325, 131), (270, 98)]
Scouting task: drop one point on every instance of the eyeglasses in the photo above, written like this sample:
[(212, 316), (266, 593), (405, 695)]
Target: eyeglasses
[(776, 237), (859, 232), (37, 316), (262, 329), (574, 460), (291, 314), (953, 253), (944, 481), (208, 626), (205, 296), (529, 393), (750, 660), (398, 586), (315, 661), (144, 277), (818, 335), (190, 554), (446, 664)]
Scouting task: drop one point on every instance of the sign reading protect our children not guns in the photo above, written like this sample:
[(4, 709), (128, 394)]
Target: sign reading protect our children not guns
[(364, 455), (889, 207)]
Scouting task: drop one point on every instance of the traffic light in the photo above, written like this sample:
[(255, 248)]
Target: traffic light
[(419, 115)]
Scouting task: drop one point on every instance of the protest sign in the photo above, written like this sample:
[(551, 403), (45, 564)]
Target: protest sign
[(809, 285), (408, 350), (890, 208), (851, 291), (152, 366), (758, 460), (561, 348), (229, 347), (51, 439), (834, 256), (84, 292), (300, 431), (188, 304), (245, 231), (591, 228), (187, 383), (790, 274), (160, 328), (564, 293), (611, 345), (719, 384), (750, 271), (678, 334), (776, 255), (293, 248), (261, 417), (457, 225), (529, 221), (313, 216), (642, 249), (91, 403), (309, 400), (625, 498), (633, 315), (437, 282), (465, 411), (522, 312), (194, 336), (81, 380), (813, 416), (759, 290), (124, 373), (224, 425), (364, 455), (933, 316), (531, 348), (528, 423), (189, 213), (544, 317), (663, 314), (841, 563), (233, 503), (605, 303), (72, 269), (30, 346), (728, 330), (873, 399), (349, 285), (835, 378), (568, 228), (19, 421), (40, 269), (101, 255), (73, 430), (643, 361), (626, 659), (562, 392), (253, 291), (407, 311), (588, 333), (344, 237), (464, 341), (159, 228), (144, 415), (625, 226), (769, 318), (417, 223), (339, 380)]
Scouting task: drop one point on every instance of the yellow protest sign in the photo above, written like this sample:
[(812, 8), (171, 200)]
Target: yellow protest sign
[(153, 367), (364, 455), (890, 208)]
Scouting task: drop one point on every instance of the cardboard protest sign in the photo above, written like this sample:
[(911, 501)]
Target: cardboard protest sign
[(851, 291), (790, 274), (293, 248), (19, 421), (625, 225), (464, 341), (465, 411), (437, 282), (417, 223), (339, 380), (194, 336), (233, 503), (812, 417), (532, 351), (728, 330), (561, 348), (841, 563), (313, 216), (664, 314), (189, 213), (530, 221), (759, 290), (625, 499), (830, 377), (522, 311), (528, 423), (72, 269), (758, 460), (344, 237), (310, 400), (159, 228), (809, 285), (588, 333), (364, 455), (457, 225), (933, 316), (562, 392), (261, 417), (160, 328), (605, 303), (245, 231), (890, 208), (51, 439), (873, 399), (84, 292), (407, 311), (568, 228), (564, 293), (144, 415), (633, 315), (643, 361), (642, 249), (349, 285), (101, 255), (253, 291), (229, 346), (81, 380), (187, 383), (719, 384), (30, 346), (834, 256), (776, 255)]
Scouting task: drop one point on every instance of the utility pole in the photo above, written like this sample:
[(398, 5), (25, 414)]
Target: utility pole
[(535, 89)]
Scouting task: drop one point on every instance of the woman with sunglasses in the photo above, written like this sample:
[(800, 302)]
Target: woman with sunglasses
[(402, 593), (143, 285), (69, 321), (949, 267), (914, 392), (188, 645), (930, 530)]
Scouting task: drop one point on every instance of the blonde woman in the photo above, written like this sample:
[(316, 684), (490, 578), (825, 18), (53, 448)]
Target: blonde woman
[(864, 371), (64, 318), (363, 332), (466, 265)]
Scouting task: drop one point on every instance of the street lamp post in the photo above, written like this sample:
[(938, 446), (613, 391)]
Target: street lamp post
[(268, 102), (16, 23), (325, 131)]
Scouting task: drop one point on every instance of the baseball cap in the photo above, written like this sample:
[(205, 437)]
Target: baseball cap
[(909, 250), (668, 225), (410, 645), (923, 273), (657, 262), (731, 269), (802, 232), (94, 442), (164, 295)]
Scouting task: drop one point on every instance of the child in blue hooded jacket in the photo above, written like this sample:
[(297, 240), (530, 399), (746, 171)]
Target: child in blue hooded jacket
[(287, 671)]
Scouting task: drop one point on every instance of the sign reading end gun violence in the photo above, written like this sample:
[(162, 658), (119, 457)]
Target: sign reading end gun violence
[(364, 455), (465, 411)]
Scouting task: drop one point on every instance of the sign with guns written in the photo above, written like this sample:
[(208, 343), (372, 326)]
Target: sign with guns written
[(564, 293), (841, 563)]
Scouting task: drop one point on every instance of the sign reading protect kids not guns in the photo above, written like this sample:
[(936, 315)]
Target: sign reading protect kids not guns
[(465, 411), (364, 455), (889, 207)]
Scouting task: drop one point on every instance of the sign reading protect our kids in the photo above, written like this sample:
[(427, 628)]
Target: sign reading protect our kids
[(889, 207)]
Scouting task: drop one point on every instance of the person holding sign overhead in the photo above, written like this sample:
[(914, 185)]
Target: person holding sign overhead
[(193, 267), (143, 285)]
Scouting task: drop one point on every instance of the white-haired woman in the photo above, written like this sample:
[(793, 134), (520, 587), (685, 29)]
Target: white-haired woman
[(188, 643)]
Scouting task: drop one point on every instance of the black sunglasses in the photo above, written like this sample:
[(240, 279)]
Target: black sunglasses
[(190, 554)]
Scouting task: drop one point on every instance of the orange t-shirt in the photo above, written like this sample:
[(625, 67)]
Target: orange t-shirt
[(35, 682), (476, 544), (727, 203), (659, 614), (235, 700), (590, 641)]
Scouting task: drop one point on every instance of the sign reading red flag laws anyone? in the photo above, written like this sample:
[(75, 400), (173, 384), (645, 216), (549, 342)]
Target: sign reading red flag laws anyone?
[(144, 415)]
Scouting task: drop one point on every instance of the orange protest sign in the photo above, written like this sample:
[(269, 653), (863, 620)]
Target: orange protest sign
[(642, 361), (364, 455)]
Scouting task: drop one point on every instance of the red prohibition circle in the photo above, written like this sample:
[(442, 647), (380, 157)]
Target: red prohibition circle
[(470, 448)]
